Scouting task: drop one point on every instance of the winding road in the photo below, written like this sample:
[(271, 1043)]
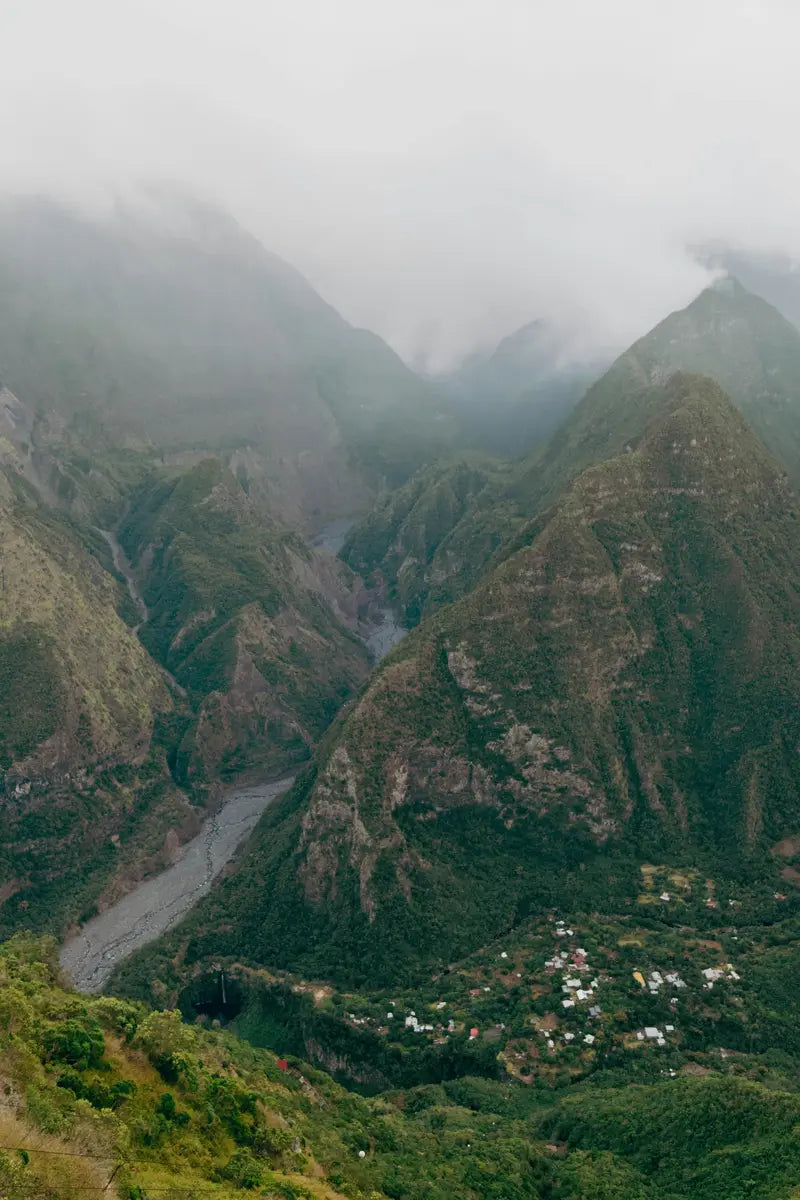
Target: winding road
[(156, 904)]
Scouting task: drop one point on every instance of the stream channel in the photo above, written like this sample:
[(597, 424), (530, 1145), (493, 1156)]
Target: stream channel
[(157, 903)]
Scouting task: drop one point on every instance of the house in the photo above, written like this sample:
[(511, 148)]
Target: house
[(652, 1033), (568, 1003), (473, 1033), (589, 1039)]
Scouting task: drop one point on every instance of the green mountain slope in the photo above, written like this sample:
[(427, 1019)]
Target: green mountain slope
[(726, 333), (624, 685), (179, 328), (257, 627), (405, 539), (85, 715), (107, 1096)]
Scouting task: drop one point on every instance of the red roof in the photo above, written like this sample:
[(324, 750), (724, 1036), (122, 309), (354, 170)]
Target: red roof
[(282, 1064), (473, 1032)]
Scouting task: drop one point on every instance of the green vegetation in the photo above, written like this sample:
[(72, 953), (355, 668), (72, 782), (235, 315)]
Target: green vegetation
[(726, 333), (106, 1093), (241, 616), (622, 688), (85, 722), (31, 692), (406, 537)]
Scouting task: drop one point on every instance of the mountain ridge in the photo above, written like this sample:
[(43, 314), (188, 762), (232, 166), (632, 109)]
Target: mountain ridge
[(608, 692), (726, 333)]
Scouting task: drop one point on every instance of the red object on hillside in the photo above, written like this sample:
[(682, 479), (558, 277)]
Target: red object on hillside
[(473, 1033), (282, 1064)]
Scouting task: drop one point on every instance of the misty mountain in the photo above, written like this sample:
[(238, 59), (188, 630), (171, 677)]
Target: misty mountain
[(515, 397), (623, 688), (774, 276), (174, 328), (727, 333)]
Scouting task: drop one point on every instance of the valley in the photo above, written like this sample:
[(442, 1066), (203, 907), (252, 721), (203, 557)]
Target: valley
[(421, 817), (90, 956)]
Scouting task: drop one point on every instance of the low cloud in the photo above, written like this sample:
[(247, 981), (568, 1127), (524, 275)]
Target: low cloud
[(442, 173)]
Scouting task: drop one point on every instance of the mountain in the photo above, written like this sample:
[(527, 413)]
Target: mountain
[(622, 688), (773, 275), (408, 529), (122, 714), (171, 326), (726, 333), (516, 396), (258, 628), (85, 713)]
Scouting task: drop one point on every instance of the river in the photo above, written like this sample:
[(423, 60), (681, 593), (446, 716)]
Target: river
[(379, 636), (157, 903), (124, 567)]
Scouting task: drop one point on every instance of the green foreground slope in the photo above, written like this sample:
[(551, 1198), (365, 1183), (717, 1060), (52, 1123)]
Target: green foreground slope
[(107, 1096)]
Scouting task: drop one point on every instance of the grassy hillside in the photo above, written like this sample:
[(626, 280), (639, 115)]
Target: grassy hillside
[(256, 627), (623, 686), (106, 1095)]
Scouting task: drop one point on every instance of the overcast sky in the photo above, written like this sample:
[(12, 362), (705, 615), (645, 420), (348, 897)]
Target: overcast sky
[(441, 170)]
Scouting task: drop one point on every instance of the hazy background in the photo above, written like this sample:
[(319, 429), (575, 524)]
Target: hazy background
[(441, 171)]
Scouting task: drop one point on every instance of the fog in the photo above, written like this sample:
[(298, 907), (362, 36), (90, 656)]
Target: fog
[(441, 172)]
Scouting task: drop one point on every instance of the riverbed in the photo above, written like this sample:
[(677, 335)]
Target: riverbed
[(381, 635), (157, 903)]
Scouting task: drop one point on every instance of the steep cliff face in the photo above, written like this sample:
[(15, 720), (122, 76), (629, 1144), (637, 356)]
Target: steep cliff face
[(253, 624), (624, 685)]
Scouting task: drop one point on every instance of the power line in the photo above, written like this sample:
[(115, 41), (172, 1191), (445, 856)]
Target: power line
[(82, 1189)]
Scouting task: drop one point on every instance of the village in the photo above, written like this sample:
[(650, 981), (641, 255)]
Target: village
[(566, 996)]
